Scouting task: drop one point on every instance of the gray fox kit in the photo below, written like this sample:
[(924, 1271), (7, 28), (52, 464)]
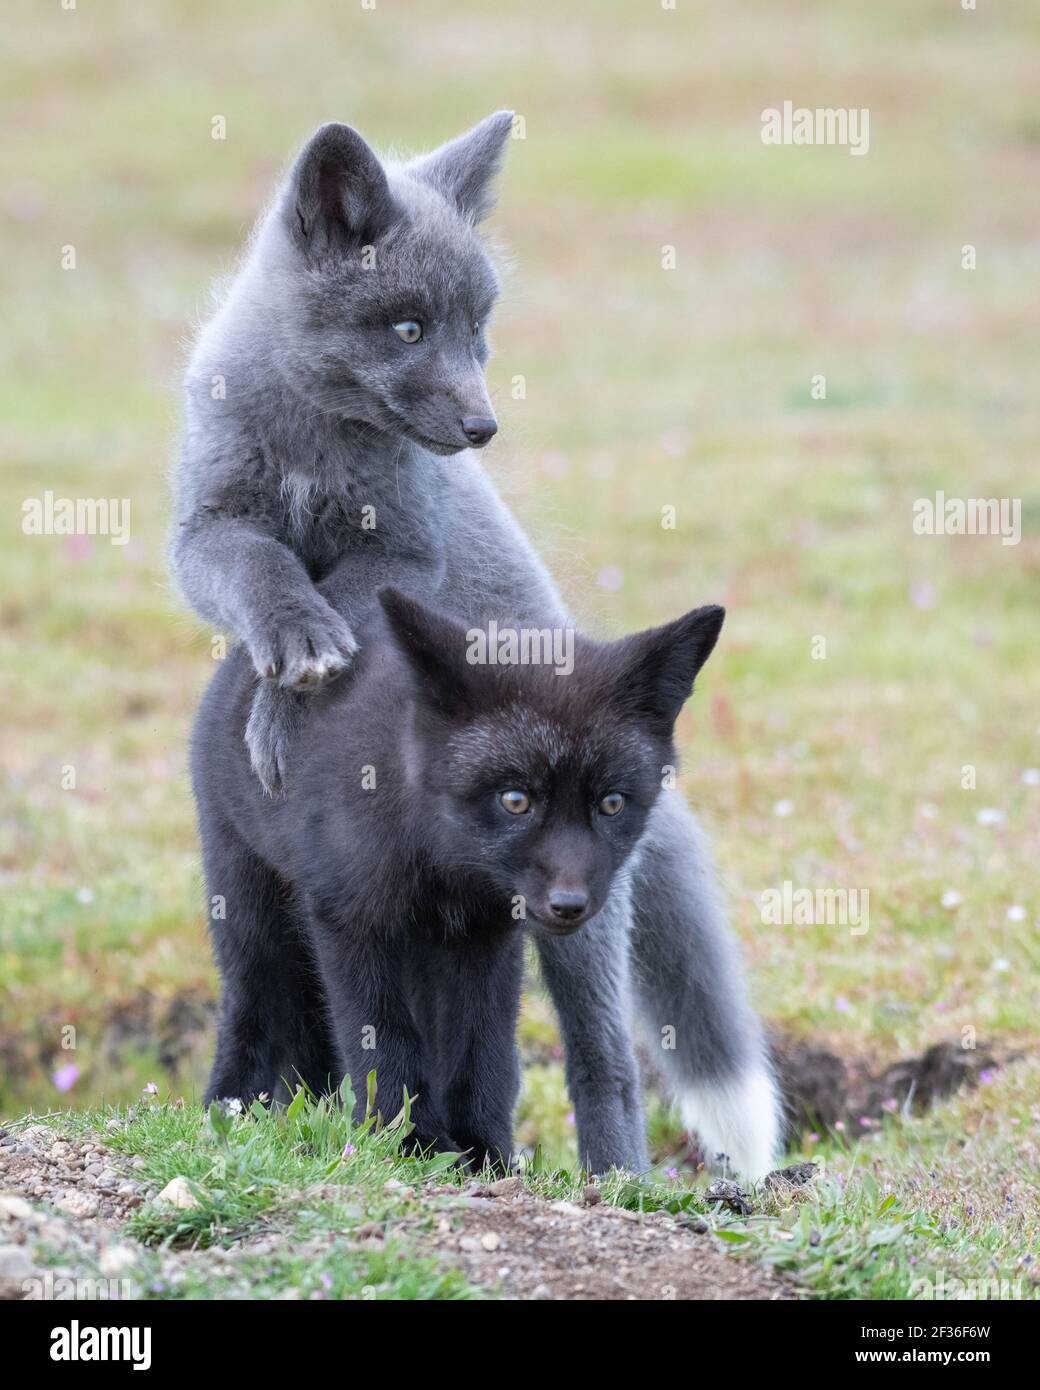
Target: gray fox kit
[(332, 404)]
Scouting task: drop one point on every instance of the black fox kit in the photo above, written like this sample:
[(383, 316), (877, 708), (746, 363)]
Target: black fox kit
[(374, 916), (327, 401)]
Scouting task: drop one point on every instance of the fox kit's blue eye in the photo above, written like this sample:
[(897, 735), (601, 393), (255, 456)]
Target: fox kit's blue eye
[(408, 330), (611, 804), (516, 803)]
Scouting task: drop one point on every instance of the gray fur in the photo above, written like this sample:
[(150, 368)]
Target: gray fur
[(327, 413)]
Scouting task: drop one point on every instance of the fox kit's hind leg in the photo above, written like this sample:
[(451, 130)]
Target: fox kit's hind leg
[(272, 1025), (587, 975), (703, 1034)]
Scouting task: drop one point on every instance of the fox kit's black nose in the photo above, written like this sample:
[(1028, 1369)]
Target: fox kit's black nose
[(478, 429), (568, 907)]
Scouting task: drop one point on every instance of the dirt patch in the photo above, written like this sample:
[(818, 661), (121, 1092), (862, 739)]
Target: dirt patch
[(824, 1092), (78, 1176), (61, 1203), (61, 1230), (530, 1248)]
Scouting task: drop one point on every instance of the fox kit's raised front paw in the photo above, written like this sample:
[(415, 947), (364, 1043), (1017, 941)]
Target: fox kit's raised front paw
[(274, 721), (301, 649)]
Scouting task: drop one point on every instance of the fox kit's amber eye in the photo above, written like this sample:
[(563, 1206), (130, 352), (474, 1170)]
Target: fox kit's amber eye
[(516, 803), (611, 804), (408, 331)]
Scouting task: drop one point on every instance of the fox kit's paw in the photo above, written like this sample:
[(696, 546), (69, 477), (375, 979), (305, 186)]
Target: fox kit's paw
[(301, 650), (274, 721)]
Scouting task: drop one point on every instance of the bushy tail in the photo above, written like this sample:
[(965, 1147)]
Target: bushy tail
[(705, 1038)]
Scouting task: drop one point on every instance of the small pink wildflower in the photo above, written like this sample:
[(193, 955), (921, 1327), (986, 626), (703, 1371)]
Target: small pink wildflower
[(78, 547), (923, 594)]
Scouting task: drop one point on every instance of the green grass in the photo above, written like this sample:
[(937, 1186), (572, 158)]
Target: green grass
[(286, 1191), (305, 1178), (943, 1206), (644, 388)]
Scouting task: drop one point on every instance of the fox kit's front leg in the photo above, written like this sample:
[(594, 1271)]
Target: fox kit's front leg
[(278, 710), (275, 718), (236, 575)]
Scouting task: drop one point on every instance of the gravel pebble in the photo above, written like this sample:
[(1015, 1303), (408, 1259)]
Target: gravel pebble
[(15, 1263), (505, 1187), (78, 1203)]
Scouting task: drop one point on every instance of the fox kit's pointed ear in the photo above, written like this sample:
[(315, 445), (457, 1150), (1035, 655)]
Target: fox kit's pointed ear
[(464, 169), (658, 667), (435, 647), (338, 195)]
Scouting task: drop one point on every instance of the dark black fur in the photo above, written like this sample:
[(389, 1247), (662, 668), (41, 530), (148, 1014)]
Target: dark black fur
[(361, 926)]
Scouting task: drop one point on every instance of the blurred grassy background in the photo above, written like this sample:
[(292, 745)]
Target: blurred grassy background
[(645, 388)]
